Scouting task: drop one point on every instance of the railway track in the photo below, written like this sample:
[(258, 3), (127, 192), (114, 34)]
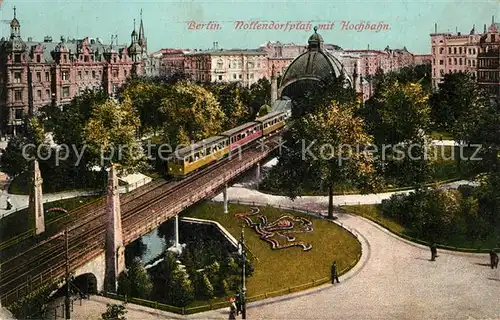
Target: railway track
[(87, 235)]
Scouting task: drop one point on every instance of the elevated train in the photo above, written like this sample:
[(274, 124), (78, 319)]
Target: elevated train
[(200, 154)]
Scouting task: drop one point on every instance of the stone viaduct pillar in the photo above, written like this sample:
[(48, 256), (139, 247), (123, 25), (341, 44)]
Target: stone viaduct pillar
[(36, 198), (115, 250)]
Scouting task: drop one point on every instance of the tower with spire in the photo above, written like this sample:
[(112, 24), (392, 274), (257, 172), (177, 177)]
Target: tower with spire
[(142, 39)]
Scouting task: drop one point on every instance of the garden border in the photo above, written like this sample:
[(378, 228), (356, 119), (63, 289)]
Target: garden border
[(289, 290)]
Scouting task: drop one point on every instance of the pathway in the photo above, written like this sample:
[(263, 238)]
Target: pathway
[(393, 280)]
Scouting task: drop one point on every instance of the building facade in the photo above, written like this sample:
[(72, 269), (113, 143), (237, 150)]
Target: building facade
[(37, 73), (244, 66), (456, 52), (488, 61)]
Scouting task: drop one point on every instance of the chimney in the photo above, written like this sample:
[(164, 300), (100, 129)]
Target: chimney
[(92, 41), (492, 19), (435, 28), (30, 39), (368, 46), (484, 28)]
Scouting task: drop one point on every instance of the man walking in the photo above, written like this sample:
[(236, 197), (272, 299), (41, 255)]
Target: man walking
[(9, 205), (232, 309), (493, 259), (433, 251), (335, 275)]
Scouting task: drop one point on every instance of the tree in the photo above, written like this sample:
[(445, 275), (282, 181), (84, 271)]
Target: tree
[(146, 96), (258, 95), (133, 250), (110, 131), (114, 312), (398, 112), (192, 114), (265, 109), (135, 281), (12, 160), (323, 148), (458, 95), (230, 98)]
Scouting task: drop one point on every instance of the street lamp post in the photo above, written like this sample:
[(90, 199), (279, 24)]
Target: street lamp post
[(242, 251), (68, 280)]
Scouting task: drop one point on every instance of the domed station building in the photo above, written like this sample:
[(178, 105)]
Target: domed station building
[(312, 68)]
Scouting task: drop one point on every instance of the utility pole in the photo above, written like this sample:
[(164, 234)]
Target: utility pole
[(68, 280), (243, 256)]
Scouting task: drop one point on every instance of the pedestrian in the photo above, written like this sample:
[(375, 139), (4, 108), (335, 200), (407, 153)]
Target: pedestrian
[(232, 309), (238, 304), (493, 259), (433, 251), (9, 205), (335, 275)]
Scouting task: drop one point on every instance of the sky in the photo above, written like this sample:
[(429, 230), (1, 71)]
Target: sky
[(166, 22)]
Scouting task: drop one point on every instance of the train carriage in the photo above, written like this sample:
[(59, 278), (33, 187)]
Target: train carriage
[(197, 155), (242, 135), (272, 122)]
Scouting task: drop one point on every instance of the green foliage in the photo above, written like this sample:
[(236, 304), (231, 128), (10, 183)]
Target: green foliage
[(111, 131), (34, 305), (442, 215), (265, 109), (458, 96), (114, 312), (192, 114), (231, 98), (12, 160), (146, 97), (134, 250), (135, 282), (323, 146)]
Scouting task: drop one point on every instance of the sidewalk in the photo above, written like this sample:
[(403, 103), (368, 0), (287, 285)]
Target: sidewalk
[(317, 203)]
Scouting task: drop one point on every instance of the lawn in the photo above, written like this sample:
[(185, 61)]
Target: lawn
[(19, 222), (447, 168), (280, 269), (436, 135), (372, 212)]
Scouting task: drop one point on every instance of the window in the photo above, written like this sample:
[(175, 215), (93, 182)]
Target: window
[(86, 58), (125, 72), (39, 94), (114, 59), (454, 50), (220, 77), (65, 92), (240, 76), (18, 95), (441, 62), (234, 76), (19, 114), (86, 74), (115, 73), (93, 74), (17, 58), (65, 75), (449, 50), (460, 50), (17, 77), (47, 93), (38, 58), (449, 60), (65, 59), (460, 61), (79, 75), (38, 77), (47, 76)]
